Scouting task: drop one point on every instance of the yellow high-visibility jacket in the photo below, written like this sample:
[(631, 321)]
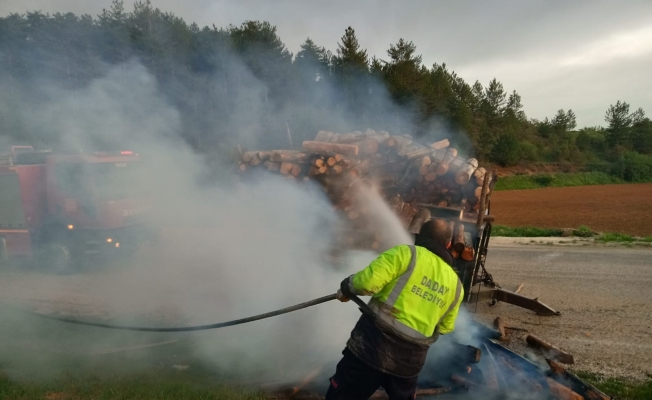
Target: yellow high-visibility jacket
[(415, 293)]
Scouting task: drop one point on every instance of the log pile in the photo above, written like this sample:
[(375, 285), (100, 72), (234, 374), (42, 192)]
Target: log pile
[(406, 173)]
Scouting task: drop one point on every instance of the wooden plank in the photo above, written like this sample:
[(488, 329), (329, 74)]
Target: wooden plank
[(551, 351)]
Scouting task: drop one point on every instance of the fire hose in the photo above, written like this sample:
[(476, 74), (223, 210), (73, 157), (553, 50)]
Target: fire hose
[(218, 325)]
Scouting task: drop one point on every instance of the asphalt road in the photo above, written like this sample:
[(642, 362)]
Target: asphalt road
[(604, 295)]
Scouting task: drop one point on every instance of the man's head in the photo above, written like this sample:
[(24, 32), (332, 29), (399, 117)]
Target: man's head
[(438, 230)]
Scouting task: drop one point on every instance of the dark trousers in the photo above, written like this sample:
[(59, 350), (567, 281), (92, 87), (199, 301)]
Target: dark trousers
[(354, 380)]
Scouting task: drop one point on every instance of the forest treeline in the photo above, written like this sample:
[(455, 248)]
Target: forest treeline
[(243, 78)]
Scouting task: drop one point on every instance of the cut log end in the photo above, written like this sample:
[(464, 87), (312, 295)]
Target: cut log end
[(468, 254), (370, 145)]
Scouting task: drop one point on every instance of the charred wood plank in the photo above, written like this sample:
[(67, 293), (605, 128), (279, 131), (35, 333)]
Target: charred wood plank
[(522, 301), (551, 351), (559, 373), (562, 392)]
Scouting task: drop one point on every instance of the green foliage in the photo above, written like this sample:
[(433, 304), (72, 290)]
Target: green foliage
[(195, 70), (544, 180), (524, 231), (618, 119), (556, 180), (403, 73), (599, 166), (620, 388), (506, 151), (584, 231), (529, 152), (622, 238), (616, 237), (642, 136), (591, 140), (634, 167)]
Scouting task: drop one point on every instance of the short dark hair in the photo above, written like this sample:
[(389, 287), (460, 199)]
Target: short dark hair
[(437, 229)]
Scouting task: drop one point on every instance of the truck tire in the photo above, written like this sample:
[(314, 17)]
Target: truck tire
[(57, 253), (58, 258)]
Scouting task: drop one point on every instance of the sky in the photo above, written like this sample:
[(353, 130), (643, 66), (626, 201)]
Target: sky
[(580, 54)]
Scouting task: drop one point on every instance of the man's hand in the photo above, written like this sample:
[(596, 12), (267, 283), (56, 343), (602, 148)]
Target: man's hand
[(341, 297)]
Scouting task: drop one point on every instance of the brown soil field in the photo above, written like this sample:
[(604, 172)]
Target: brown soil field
[(625, 208)]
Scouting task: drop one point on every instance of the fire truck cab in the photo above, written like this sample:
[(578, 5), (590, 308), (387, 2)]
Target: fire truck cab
[(63, 209)]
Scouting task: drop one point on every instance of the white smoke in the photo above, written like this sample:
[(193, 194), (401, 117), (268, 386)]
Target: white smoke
[(228, 249)]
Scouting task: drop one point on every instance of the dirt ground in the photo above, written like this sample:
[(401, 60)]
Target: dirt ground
[(603, 295), (604, 208)]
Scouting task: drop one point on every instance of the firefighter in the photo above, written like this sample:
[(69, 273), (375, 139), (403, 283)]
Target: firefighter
[(416, 296)]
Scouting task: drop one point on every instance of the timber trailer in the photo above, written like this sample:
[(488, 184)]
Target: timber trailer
[(477, 281)]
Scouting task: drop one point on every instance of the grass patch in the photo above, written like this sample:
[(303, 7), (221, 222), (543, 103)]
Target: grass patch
[(47, 360), (148, 386), (620, 388), (524, 231), (555, 180), (531, 231), (616, 237), (611, 237)]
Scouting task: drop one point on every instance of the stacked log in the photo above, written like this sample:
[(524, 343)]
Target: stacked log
[(406, 173)]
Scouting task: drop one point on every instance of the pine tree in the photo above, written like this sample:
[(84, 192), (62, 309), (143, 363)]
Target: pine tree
[(571, 120), (514, 107), (313, 61), (403, 72), (350, 67), (350, 58), (495, 98), (619, 121)]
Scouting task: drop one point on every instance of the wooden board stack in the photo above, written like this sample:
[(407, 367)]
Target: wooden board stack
[(406, 173)]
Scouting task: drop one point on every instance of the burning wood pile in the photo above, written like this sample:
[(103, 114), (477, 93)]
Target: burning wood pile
[(487, 371), (406, 173)]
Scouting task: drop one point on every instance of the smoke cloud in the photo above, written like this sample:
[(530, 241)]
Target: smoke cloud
[(228, 249)]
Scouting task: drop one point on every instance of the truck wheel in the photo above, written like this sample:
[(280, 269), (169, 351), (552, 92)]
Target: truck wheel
[(57, 253), (58, 258)]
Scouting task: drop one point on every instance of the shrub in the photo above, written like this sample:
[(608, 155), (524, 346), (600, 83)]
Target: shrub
[(583, 231), (529, 152), (544, 180), (507, 150), (633, 167)]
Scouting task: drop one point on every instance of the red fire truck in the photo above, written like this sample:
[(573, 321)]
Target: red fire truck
[(65, 209)]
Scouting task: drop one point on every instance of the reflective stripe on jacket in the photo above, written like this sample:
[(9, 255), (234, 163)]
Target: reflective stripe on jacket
[(415, 293)]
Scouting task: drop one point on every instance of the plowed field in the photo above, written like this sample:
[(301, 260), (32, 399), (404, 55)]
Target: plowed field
[(623, 208)]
